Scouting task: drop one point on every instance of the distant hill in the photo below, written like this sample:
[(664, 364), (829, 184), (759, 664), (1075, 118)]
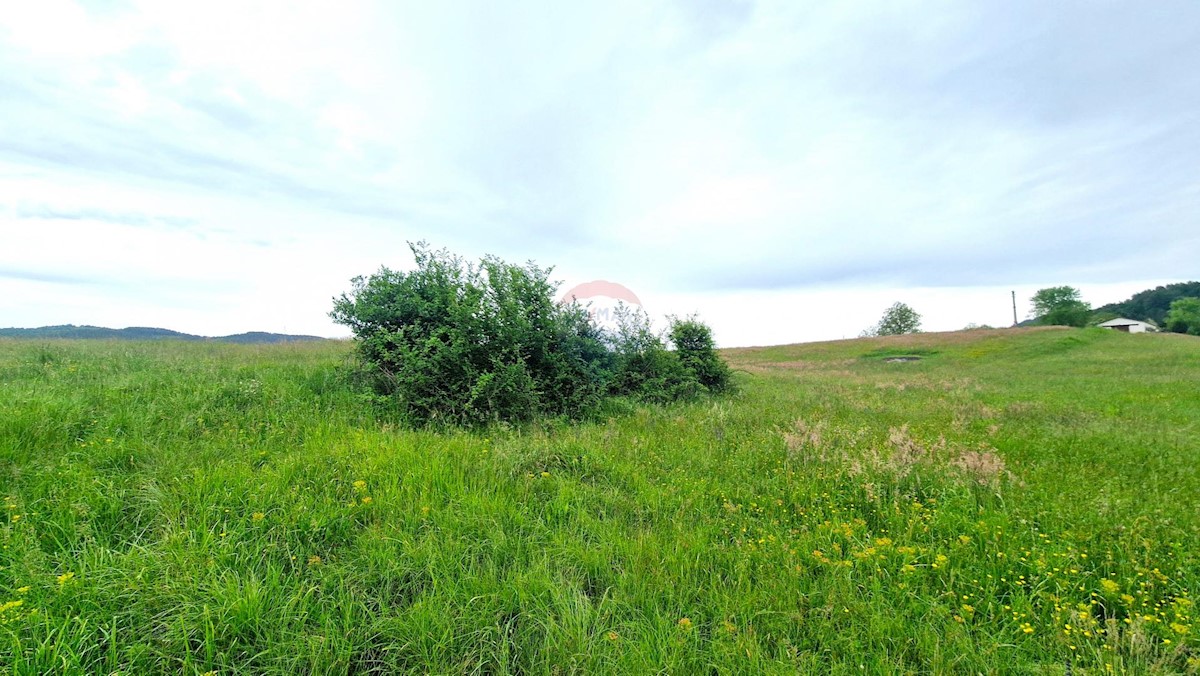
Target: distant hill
[(1152, 304), (145, 333), (262, 337)]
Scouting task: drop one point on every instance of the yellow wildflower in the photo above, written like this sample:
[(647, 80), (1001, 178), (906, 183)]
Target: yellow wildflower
[(685, 623), (258, 516), (1109, 586), (360, 484), (65, 577), (367, 500)]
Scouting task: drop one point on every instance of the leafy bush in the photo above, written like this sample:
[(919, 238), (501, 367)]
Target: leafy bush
[(1184, 316), (645, 368), (693, 341), (468, 344)]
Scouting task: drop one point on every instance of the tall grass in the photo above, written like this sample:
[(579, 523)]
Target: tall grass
[(1014, 502)]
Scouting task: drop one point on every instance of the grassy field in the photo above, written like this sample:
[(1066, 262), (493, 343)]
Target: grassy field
[(1018, 501)]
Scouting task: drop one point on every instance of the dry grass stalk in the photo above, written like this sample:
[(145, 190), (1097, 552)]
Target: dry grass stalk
[(900, 457), (804, 442), (983, 467), (908, 453)]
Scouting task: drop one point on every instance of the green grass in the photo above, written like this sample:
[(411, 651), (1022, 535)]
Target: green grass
[(193, 508)]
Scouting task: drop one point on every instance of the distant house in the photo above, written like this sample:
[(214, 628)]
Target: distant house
[(1128, 325)]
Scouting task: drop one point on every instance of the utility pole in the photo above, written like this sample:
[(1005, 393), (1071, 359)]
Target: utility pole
[(1014, 295)]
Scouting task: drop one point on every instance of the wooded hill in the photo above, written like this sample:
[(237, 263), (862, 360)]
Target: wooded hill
[(1152, 304), (145, 333)]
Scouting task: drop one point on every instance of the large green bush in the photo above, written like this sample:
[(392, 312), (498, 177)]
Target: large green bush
[(465, 344), (1184, 316)]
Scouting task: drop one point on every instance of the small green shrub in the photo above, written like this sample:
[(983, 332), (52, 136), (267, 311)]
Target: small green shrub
[(693, 341), (644, 369)]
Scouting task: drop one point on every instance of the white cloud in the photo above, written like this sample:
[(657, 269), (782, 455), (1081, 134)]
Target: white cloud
[(62, 29)]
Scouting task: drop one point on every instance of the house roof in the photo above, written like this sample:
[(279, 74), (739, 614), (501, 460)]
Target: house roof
[(1121, 321)]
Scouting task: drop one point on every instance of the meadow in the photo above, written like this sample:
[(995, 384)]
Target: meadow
[(1014, 501)]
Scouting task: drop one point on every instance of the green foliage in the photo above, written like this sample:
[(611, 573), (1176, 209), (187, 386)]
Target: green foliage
[(461, 344), (1048, 299), (1153, 304), (897, 320), (645, 369), (1060, 306), (697, 351), (1184, 316), (1074, 314)]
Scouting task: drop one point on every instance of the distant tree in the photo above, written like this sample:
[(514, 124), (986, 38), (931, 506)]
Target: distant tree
[(897, 320), (1060, 306), (1184, 316)]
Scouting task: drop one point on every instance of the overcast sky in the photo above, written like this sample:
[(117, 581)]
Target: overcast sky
[(786, 169)]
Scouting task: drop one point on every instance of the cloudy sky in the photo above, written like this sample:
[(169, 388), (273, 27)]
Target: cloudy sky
[(786, 169)]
